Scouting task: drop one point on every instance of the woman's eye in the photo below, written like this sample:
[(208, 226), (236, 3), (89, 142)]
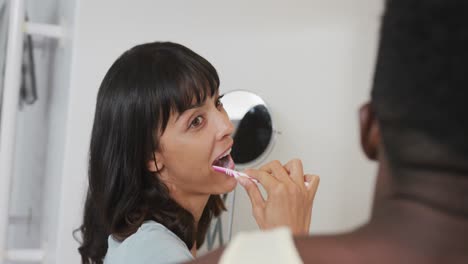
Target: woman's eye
[(196, 122)]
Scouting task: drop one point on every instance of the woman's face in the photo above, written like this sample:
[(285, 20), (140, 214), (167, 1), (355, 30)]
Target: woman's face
[(194, 141)]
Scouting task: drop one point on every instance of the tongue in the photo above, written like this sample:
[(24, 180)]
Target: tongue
[(219, 163), (224, 162)]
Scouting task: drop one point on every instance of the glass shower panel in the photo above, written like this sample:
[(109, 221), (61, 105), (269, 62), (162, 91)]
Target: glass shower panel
[(31, 143)]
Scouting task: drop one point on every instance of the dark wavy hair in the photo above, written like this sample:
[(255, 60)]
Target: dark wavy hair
[(136, 98)]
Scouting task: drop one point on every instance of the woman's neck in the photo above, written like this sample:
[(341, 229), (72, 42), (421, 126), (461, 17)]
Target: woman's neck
[(194, 249), (195, 204)]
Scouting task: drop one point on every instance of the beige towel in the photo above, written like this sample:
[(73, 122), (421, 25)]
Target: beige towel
[(274, 246)]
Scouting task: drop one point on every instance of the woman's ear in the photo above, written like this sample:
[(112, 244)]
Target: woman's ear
[(370, 131), (156, 163)]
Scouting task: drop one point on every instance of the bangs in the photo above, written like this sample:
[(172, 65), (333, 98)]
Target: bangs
[(184, 82), (193, 89)]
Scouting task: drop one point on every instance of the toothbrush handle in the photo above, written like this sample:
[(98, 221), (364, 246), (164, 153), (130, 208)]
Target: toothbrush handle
[(241, 174)]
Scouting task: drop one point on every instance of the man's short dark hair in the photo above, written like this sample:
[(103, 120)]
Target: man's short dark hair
[(420, 90)]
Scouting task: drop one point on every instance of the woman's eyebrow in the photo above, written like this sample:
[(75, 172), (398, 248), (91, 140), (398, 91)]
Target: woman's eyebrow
[(190, 108), (197, 105)]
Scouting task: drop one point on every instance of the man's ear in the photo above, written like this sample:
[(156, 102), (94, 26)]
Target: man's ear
[(156, 162), (370, 131)]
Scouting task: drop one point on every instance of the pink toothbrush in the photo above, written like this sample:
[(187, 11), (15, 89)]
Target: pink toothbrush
[(237, 174), (233, 173)]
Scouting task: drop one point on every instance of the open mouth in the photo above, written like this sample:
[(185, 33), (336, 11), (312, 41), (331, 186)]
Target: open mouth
[(225, 160)]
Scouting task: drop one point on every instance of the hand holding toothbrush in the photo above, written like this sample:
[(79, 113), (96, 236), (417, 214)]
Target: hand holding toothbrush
[(289, 202)]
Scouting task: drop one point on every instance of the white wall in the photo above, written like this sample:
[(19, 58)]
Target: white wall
[(311, 60)]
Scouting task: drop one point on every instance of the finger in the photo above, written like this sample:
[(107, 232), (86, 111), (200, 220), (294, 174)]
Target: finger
[(313, 183), (265, 179), (256, 198), (312, 187), (276, 169), (296, 171)]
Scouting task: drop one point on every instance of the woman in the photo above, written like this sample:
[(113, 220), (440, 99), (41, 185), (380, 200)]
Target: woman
[(159, 127)]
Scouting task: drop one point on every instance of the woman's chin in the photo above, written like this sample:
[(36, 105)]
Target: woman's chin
[(232, 183), (227, 186)]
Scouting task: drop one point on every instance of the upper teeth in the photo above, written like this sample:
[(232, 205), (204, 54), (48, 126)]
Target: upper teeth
[(225, 153)]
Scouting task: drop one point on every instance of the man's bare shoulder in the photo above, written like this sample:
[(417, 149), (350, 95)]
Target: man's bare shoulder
[(330, 249), (355, 248), (211, 257)]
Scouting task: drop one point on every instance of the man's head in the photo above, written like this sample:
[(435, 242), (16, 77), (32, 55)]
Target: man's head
[(419, 109)]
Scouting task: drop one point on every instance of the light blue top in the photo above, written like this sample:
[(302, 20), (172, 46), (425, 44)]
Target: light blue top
[(153, 243)]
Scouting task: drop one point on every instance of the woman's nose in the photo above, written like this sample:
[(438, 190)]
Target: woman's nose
[(224, 126)]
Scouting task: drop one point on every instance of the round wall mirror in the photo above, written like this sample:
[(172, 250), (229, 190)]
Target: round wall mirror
[(253, 134)]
